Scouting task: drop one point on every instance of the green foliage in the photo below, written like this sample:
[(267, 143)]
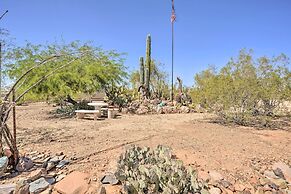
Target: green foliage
[(246, 90), (143, 170), (69, 110), (94, 69), (159, 80)]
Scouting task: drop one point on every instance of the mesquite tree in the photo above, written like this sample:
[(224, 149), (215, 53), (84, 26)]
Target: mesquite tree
[(9, 101)]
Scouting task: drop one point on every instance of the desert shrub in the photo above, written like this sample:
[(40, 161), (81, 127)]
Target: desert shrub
[(247, 91), (68, 110), (145, 170)]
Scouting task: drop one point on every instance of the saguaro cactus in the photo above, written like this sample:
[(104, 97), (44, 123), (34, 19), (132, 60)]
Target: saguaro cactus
[(141, 71), (148, 63)]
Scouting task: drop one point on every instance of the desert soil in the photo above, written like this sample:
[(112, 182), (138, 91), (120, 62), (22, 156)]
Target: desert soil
[(94, 146)]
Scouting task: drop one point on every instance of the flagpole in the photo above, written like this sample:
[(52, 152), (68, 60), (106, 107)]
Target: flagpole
[(172, 93)]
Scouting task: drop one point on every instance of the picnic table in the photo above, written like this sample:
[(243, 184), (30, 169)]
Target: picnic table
[(98, 105)]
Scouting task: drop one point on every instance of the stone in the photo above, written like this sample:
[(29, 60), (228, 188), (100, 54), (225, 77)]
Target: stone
[(24, 164), (60, 177), (225, 183), (109, 179), (102, 190), (215, 176), (55, 160), (7, 189), (278, 172), (214, 190), (3, 164), (7, 152), (50, 165), (62, 163), (40, 185), (36, 174), (270, 174), (22, 190), (286, 170), (239, 187), (76, 182), (260, 190), (281, 183), (204, 176)]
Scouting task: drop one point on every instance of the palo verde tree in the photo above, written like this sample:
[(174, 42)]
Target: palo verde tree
[(96, 70)]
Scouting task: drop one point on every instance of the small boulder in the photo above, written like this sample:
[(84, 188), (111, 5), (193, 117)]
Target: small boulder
[(7, 189), (40, 185), (215, 176), (24, 164), (286, 170), (76, 182), (36, 174), (3, 164), (109, 179), (214, 190)]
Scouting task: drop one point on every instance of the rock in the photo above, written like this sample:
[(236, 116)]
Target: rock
[(264, 181), (7, 189), (60, 177), (76, 182), (215, 176), (23, 190), (239, 187), (55, 160), (286, 170), (204, 176), (260, 190), (270, 174), (7, 152), (273, 186), (36, 174), (62, 163), (278, 172), (185, 109), (109, 179), (50, 165), (225, 183), (3, 164), (281, 183), (24, 164), (214, 190), (40, 185), (102, 190)]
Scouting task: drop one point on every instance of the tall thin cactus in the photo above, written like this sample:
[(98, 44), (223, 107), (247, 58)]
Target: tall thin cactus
[(148, 63), (141, 71)]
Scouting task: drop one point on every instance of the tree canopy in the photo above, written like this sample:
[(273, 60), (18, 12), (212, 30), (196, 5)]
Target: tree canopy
[(90, 69)]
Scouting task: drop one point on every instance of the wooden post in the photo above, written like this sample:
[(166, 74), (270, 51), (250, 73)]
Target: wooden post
[(1, 145), (14, 127)]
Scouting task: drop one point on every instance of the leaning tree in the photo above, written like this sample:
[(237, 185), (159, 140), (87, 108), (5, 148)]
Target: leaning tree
[(10, 99)]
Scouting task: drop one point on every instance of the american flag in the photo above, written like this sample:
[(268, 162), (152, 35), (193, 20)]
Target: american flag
[(173, 16)]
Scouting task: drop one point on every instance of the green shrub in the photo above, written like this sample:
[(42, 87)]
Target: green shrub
[(246, 90), (143, 170)]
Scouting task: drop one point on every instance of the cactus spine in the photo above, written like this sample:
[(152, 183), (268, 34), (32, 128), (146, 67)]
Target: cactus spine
[(148, 64), (141, 71)]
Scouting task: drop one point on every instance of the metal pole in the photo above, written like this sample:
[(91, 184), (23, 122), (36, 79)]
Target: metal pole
[(172, 92)]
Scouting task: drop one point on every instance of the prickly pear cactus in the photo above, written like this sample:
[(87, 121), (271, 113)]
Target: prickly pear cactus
[(143, 170)]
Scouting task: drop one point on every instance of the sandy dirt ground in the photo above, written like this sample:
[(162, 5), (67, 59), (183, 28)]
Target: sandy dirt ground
[(94, 146)]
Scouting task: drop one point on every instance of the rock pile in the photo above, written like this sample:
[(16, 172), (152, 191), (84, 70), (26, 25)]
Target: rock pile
[(157, 107)]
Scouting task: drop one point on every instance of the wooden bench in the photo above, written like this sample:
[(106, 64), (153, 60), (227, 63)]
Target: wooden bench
[(81, 113)]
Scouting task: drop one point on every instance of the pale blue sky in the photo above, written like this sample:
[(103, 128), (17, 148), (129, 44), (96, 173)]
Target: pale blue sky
[(207, 31)]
